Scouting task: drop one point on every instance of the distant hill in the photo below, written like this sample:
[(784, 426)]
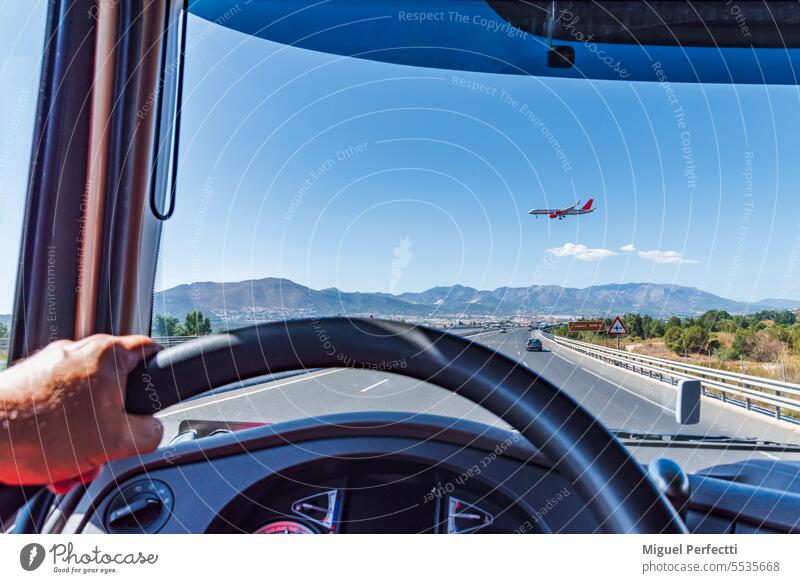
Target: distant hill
[(275, 297), (776, 304)]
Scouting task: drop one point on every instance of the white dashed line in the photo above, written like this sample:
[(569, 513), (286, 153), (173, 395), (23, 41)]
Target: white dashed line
[(375, 385), (248, 393)]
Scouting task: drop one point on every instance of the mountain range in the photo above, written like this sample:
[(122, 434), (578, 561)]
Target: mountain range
[(277, 297)]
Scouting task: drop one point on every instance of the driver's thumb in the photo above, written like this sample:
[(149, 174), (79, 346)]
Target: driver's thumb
[(144, 434)]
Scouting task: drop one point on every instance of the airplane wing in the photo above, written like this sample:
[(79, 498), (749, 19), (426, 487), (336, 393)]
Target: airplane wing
[(553, 211), (565, 211), (570, 210)]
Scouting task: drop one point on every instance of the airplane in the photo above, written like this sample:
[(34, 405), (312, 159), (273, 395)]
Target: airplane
[(561, 213)]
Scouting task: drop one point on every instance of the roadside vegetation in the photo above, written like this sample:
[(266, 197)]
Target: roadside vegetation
[(194, 324), (3, 351), (765, 343)]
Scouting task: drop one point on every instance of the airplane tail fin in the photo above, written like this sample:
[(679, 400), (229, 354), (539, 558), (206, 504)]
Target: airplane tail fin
[(588, 205)]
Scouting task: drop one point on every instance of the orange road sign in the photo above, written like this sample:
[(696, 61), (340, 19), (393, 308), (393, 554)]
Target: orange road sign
[(587, 326)]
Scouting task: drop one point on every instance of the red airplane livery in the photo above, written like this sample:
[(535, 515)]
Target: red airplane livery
[(565, 212)]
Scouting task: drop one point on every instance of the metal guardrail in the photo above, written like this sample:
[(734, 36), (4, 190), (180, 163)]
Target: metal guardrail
[(167, 341), (4, 344), (751, 392)]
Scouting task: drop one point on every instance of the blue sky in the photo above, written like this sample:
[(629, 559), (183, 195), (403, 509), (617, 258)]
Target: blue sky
[(430, 174), (21, 41), (377, 177)]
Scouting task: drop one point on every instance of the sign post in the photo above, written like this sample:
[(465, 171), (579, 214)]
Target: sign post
[(617, 329)]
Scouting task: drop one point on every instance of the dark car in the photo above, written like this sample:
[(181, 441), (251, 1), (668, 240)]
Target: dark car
[(533, 345)]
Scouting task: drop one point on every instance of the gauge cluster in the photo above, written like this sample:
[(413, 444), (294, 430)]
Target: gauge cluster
[(284, 527), (398, 498)]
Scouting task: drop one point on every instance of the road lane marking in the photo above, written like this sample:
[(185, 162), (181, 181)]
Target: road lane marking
[(248, 393), (565, 358), (379, 383), (634, 393)]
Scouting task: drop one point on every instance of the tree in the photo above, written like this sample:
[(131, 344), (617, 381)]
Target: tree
[(673, 338), (654, 329), (3, 330), (712, 318), (633, 325), (167, 326), (783, 317), (779, 333), (695, 338), (743, 342), (196, 325)]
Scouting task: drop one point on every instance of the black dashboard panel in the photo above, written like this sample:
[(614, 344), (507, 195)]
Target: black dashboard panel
[(359, 496), (393, 488), (390, 472), (400, 475)]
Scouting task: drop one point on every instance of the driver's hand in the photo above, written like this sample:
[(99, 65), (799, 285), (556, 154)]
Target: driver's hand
[(62, 413)]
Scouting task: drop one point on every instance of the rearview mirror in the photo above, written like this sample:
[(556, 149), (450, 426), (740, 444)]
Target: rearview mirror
[(687, 403)]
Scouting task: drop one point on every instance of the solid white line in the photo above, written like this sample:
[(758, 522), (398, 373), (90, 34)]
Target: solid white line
[(565, 358), (379, 383), (635, 394), (248, 393)]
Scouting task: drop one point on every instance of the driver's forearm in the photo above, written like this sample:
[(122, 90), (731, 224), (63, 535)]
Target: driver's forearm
[(62, 413)]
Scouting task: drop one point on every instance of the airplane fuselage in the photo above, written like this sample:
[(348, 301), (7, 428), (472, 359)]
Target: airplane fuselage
[(565, 212)]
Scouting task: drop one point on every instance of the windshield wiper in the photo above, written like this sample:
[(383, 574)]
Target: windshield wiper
[(679, 438)]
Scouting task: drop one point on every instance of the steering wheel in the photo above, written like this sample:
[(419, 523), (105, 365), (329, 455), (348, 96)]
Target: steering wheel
[(613, 485)]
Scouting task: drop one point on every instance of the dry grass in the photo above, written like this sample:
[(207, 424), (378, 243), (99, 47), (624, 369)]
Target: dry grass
[(787, 368)]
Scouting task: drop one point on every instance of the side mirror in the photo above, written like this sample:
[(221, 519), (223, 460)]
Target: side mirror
[(687, 404)]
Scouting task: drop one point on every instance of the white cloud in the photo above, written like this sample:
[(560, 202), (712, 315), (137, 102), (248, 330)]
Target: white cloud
[(628, 248), (581, 252), (671, 257)]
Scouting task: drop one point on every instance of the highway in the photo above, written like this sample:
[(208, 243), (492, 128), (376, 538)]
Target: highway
[(611, 394)]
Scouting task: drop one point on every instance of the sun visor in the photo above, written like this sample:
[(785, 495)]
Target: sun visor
[(708, 42)]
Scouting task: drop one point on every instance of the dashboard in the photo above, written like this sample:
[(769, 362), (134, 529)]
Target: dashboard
[(346, 473), (390, 496), (381, 473)]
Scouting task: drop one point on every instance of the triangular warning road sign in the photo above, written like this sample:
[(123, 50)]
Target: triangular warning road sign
[(617, 327)]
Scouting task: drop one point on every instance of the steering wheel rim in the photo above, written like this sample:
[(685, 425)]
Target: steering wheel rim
[(614, 486)]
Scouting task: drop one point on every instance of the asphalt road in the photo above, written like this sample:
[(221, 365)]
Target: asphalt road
[(613, 395)]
